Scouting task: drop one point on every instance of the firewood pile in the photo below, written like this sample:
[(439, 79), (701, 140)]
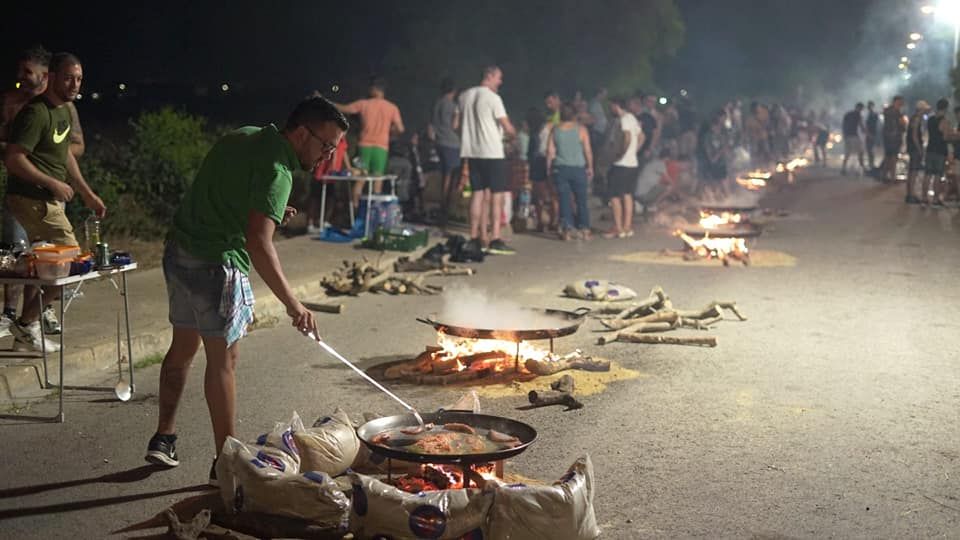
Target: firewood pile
[(647, 321), (356, 277)]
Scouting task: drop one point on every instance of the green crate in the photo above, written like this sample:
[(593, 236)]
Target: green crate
[(395, 240)]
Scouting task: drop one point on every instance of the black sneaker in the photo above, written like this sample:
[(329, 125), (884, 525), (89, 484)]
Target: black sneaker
[(499, 247), (213, 474), (162, 450)]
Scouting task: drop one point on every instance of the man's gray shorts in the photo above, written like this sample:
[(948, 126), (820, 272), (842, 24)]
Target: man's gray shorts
[(201, 296)]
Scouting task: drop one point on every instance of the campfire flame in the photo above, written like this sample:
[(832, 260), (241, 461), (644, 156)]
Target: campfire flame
[(792, 165), (436, 477), (753, 184), (710, 220), (454, 348), (716, 248)]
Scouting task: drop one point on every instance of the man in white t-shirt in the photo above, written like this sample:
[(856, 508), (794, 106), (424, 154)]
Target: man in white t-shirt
[(484, 122), (622, 178)]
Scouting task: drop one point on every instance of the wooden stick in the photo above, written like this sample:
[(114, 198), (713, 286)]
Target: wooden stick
[(709, 341), (552, 397), (549, 367), (324, 308)]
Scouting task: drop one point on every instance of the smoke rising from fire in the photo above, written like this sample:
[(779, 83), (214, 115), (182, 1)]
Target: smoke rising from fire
[(474, 308)]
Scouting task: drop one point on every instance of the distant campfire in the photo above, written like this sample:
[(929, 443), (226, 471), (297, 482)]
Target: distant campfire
[(725, 246)]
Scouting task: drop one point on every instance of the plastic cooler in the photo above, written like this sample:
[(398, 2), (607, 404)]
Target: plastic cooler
[(384, 212)]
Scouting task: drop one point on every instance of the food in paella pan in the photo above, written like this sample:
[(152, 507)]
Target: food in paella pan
[(448, 439)]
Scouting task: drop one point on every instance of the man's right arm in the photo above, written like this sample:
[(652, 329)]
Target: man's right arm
[(507, 126), (263, 255), (19, 165)]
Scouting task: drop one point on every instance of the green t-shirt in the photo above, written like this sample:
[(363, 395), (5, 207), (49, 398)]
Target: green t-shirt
[(44, 131), (248, 169)]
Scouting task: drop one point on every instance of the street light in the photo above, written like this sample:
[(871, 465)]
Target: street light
[(916, 36), (948, 10), (911, 45), (904, 59)]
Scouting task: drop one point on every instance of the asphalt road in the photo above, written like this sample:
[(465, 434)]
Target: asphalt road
[(831, 412)]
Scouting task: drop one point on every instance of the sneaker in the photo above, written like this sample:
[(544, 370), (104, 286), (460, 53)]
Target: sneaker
[(213, 474), (499, 247), (313, 230), (5, 324), (27, 338), (162, 450), (50, 323)]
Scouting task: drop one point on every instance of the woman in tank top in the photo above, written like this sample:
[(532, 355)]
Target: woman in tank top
[(570, 163)]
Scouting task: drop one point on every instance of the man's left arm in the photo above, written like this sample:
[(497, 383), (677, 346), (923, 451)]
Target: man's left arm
[(90, 199), (77, 144)]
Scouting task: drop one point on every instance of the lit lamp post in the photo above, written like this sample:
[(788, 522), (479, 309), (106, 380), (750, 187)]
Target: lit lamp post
[(949, 11)]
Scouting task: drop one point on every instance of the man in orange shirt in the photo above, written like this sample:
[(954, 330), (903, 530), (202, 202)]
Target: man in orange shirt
[(379, 118)]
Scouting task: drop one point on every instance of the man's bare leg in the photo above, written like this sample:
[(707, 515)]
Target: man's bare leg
[(11, 297), (496, 208), (477, 221), (627, 212), (219, 387), (31, 309), (173, 376), (616, 206)]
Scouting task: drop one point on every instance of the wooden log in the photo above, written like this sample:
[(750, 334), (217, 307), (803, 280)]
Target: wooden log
[(549, 367), (564, 384), (552, 397), (324, 308), (709, 341), (638, 328)]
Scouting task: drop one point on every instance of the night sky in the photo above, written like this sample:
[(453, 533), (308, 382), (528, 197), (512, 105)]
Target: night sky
[(744, 47)]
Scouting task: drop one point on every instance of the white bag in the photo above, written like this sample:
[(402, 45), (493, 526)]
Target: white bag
[(599, 290), (563, 511), (330, 446), (249, 484), (380, 510), (278, 447)]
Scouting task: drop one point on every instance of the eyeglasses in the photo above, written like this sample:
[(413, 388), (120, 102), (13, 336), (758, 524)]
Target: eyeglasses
[(328, 148)]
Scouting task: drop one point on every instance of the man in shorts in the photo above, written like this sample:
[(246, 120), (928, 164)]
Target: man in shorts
[(622, 178), (940, 134), (444, 130), (894, 127), (485, 121), (223, 228), (852, 143), (915, 149), (32, 67), (380, 118), (39, 160)]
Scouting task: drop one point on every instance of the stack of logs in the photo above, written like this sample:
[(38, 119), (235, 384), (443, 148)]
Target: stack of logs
[(656, 314), (354, 278)]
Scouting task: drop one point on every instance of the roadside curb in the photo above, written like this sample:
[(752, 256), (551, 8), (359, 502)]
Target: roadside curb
[(22, 381)]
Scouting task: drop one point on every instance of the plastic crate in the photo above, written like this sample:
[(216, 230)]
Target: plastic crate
[(396, 240)]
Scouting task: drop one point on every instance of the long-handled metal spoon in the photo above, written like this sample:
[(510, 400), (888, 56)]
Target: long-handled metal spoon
[(360, 372)]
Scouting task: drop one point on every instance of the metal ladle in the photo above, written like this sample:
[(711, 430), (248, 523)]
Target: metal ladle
[(122, 390), (369, 379)]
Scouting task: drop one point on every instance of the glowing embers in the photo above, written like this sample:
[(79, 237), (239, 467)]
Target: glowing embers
[(436, 477), (754, 180), (723, 247), (721, 219), (462, 360)]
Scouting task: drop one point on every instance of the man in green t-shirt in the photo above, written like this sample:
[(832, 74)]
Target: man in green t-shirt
[(39, 162), (223, 228)]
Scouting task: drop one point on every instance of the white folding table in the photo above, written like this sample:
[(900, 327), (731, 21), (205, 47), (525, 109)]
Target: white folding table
[(64, 283)]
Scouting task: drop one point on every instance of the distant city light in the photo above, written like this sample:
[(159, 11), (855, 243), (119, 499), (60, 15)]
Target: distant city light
[(916, 36), (335, 88), (79, 97), (683, 92), (122, 87), (907, 76), (17, 86), (225, 87), (663, 101), (904, 59), (902, 66), (911, 46), (95, 96)]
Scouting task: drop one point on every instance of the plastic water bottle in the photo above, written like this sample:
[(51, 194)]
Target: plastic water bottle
[(523, 202)]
